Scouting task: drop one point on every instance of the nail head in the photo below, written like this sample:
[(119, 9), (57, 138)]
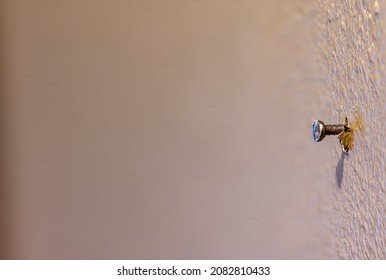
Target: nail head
[(318, 130)]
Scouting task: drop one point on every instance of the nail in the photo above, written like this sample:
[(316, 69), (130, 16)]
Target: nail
[(320, 130)]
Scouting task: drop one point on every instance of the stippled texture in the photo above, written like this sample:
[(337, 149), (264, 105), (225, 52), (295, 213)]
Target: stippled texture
[(352, 49)]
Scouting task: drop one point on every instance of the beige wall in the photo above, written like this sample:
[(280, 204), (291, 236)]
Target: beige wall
[(165, 129), (355, 62)]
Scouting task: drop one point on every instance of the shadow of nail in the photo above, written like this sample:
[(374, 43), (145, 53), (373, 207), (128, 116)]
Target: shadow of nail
[(339, 169)]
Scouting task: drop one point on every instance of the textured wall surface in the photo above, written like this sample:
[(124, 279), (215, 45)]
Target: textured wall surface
[(353, 43), (181, 129)]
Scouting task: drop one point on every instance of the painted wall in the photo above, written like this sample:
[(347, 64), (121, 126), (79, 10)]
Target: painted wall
[(181, 129), (355, 61)]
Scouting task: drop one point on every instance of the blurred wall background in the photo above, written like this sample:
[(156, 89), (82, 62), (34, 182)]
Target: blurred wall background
[(165, 129)]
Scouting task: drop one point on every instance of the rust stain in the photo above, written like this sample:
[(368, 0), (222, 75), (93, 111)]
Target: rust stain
[(346, 138)]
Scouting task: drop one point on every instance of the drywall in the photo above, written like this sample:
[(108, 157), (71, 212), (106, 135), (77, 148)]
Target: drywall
[(353, 48), (181, 129)]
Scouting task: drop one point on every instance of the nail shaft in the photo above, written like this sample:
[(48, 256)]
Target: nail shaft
[(334, 129)]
